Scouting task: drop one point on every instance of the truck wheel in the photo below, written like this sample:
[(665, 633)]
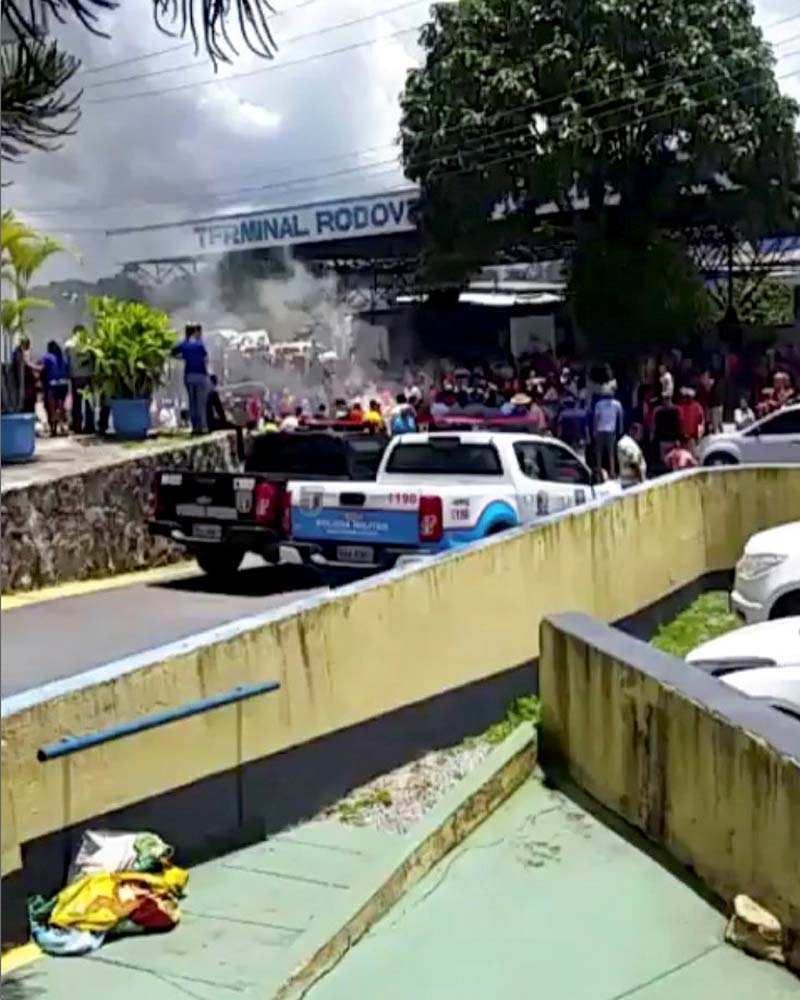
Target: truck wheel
[(223, 562), (719, 458)]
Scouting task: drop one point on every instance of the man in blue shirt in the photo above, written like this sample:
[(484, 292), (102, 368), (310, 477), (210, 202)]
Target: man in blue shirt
[(195, 375), (608, 427)]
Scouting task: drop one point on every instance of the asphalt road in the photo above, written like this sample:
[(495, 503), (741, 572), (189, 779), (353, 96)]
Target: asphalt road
[(66, 636)]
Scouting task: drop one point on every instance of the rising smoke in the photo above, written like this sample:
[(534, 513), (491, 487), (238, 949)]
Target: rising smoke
[(290, 303)]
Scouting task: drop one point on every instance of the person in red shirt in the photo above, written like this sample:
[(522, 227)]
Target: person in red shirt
[(691, 415)]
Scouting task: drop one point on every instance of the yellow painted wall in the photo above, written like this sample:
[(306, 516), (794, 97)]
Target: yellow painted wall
[(397, 641), (720, 799)]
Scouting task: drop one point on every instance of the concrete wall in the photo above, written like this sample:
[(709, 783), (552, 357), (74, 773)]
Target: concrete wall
[(377, 646), (93, 522), (704, 771)]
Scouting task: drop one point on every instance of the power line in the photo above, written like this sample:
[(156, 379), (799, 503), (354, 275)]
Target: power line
[(192, 65), (286, 41), (633, 122), (298, 6), (306, 59), (612, 128), (184, 45), (392, 164), (133, 59), (254, 72), (779, 22), (512, 157)]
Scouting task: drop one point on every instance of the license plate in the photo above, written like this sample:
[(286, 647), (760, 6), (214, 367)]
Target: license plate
[(355, 553), (208, 532)]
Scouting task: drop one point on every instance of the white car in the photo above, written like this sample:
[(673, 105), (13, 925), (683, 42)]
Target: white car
[(771, 440), (767, 582), (762, 661)]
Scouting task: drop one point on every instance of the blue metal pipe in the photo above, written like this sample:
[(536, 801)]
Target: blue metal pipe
[(74, 744)]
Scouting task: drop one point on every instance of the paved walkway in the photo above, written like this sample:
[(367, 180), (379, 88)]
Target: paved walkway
[(67, 456), (241, 915), (544, 901)]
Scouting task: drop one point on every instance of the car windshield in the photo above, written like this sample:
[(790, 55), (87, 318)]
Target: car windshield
[(445, 458)]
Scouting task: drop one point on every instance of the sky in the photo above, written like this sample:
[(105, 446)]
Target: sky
[(313, 123)]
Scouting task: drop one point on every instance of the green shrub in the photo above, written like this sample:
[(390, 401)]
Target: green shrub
[(129, 345)]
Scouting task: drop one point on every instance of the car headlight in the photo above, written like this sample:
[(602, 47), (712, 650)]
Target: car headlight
[(752, 567)]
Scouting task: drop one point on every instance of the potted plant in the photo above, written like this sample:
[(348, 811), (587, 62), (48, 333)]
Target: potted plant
[(129, 344), (24, 250)]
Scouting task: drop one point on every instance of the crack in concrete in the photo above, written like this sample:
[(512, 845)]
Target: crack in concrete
[(633, 990), (287, 877), (461, 852), (170, 979)]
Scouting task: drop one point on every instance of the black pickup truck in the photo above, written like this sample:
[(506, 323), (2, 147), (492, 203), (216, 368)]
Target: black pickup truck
[(220, 516)]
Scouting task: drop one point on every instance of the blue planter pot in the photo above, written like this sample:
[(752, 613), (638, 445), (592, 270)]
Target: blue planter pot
[(17, 437), (131, 418)]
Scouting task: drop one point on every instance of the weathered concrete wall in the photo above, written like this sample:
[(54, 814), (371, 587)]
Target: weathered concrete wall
[(9, 840), (377, 646), (706, 772), (94, 523)]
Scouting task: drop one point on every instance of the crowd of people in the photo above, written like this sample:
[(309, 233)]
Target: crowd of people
[(623, 426), (623, 423)]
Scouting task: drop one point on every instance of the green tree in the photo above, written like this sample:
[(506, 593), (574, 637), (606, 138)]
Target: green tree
[(626, 293), (616, 113), (37, 114), (766, 303), (24, 251)]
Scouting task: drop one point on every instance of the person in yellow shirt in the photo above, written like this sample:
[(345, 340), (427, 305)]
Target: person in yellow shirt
[(373, 418)]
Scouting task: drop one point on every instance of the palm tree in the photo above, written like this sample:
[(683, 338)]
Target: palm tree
[(35, 111), (24, 251)]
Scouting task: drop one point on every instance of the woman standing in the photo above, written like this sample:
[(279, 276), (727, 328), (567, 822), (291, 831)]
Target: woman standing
[(55, 384)]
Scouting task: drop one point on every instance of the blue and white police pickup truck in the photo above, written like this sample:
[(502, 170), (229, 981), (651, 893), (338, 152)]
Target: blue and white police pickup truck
[(435, 492)]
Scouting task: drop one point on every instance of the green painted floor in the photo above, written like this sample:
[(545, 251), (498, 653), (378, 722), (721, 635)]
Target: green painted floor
[(546, 902), (241, 915), (543, 901)]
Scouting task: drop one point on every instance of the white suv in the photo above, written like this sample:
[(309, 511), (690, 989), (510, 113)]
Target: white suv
[(762, 661), (767, 583), (771, 440)]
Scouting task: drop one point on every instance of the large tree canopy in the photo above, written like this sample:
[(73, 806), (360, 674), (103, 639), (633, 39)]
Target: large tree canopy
[(37, 113), (634, 104)]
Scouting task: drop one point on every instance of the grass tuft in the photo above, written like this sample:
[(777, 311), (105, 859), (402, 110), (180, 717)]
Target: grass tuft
[(708, 617)]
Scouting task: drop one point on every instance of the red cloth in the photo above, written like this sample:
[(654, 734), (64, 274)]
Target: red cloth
[(692, 417)]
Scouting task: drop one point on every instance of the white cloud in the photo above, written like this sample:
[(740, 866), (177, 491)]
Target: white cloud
[(244, 117)]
